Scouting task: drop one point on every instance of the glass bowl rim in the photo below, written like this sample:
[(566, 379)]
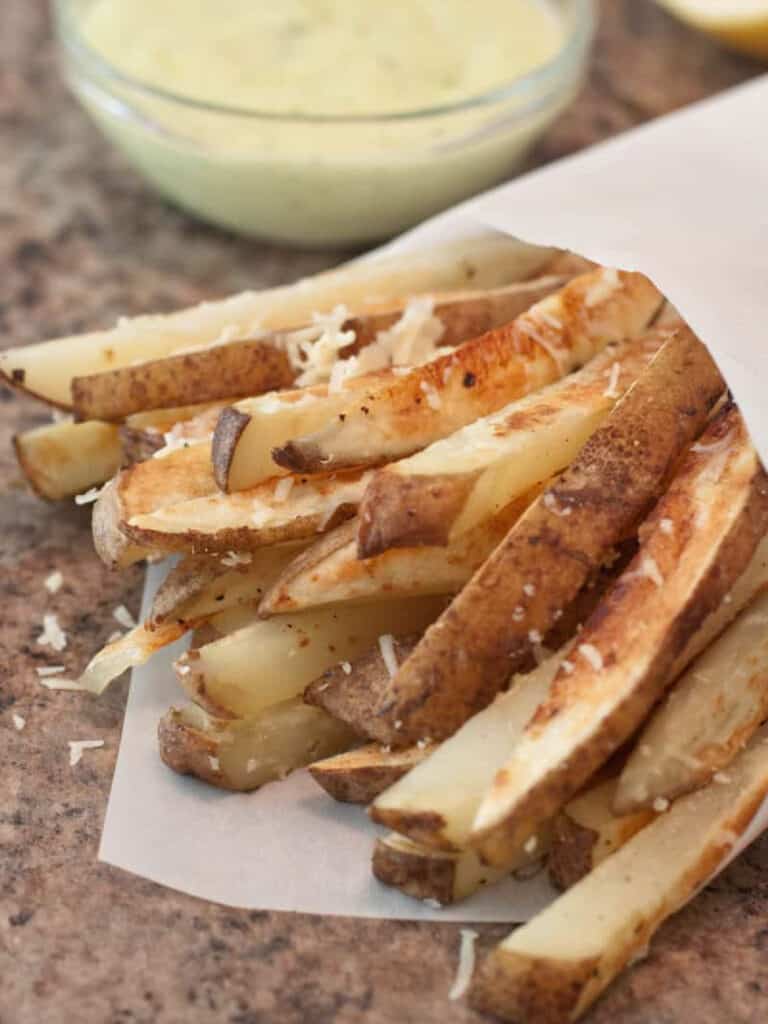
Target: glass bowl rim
[(530, 85)]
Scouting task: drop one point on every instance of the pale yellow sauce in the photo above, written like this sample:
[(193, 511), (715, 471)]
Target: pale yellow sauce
[(325, 56)]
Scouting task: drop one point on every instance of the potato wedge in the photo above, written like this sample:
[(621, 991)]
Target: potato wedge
[(247, 432), (358, 776), (242, 451), (587, 830), (47, 369), (185, 473), (435, 803), (435, 876), (274, 659), (277, 511), (198, 588), (695, 544), (144, 433), (133, 648), (557, 334), (60, 460), (553, 968), (707, 718), (231, 370), (243, 754), (514, 598), (441, 492), (330, 572)]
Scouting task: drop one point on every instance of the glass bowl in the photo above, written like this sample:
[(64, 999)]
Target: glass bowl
[(322, 180)]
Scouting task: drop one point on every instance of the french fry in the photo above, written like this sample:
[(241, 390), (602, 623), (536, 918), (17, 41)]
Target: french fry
[(441, 492), (330, 572), (133, 648), (437, 398), (143, 434), (698, 540), (436, 802), (514, 598), (275, 512), (208, 375), (553, 968), (275, 659), (198, 588), (242, 450), (60, 460), (435, 876), (358, 776), (243, 754), (47, 369), (588, 830), (708, 716), (247, 432), (183, 474)]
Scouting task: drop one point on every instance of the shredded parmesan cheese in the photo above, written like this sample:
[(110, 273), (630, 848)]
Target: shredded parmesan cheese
[(58, 683), (531, 844), (466, 966), (113, 637), (124, 617), (534, 636), (613, 382), (606, 283), (283, 488), (53, 635), (76, 748), (346, 668), (667, 526), (550, 502), (651, 570), (529, 589), (721, 778), (233, 559), (592, 655), (567, 666), (387, 648), (18, 722), (53, 582), (92, 494), (251, 765), (518, 613), (214, 763), (660, 804), (49, 670)]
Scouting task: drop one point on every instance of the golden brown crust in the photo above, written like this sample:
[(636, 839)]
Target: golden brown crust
[(465, 658), (231, 370)]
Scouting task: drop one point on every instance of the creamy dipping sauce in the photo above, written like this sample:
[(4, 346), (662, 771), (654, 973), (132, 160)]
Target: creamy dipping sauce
[(343, 57), (214, 68)]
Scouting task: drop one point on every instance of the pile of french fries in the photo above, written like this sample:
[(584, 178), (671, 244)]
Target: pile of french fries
[(511, 594)]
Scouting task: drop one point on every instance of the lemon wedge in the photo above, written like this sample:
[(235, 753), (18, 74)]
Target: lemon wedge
[(741, 24)]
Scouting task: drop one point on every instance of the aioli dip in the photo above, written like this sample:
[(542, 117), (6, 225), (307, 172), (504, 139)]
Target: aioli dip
[(294, 119)]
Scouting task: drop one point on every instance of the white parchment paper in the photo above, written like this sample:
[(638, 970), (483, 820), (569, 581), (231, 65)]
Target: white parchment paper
[(684, 199)]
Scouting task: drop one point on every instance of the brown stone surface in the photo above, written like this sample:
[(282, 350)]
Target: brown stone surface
[(82, 241)]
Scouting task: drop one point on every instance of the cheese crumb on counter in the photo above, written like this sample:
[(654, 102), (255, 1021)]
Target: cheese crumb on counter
[(124, 617), (53, 635), (53, 583), (76, 748), (18, 722), (466, 966)]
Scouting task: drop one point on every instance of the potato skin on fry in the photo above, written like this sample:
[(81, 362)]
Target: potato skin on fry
[(418, 511), (230, 425), (358, 776), (422, 877), (352, 696), (465, 657)]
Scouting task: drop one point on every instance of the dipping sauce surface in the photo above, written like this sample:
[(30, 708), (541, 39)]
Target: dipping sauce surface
[(341, 57)]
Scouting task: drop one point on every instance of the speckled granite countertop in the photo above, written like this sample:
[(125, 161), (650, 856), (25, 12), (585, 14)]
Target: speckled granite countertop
[(82, 241)]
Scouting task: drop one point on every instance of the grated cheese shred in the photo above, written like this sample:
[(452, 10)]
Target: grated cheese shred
[(124, 617), (387, 648), (466, 966), (53, 635), (76, 748), (53, 583), (591, 654)]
